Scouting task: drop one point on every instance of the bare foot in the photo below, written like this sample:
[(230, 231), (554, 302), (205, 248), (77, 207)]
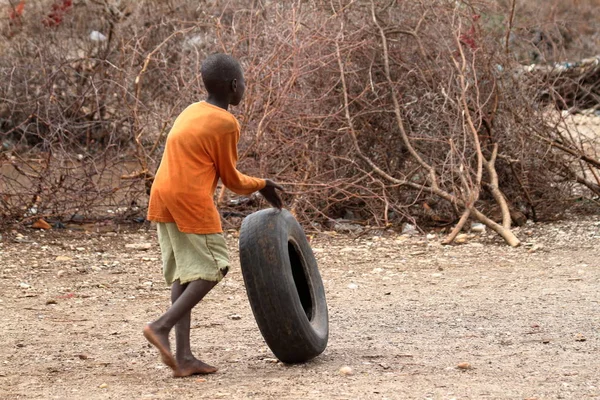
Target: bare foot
[(193, 366), (161, 342)]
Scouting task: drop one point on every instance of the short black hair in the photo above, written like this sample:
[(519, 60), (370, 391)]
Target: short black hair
[(218, 70)]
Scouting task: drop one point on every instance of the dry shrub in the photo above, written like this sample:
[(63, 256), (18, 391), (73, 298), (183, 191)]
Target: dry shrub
[(550, 31), (376, 112)]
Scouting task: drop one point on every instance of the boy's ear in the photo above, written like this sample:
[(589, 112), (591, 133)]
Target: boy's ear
[(234, 85)]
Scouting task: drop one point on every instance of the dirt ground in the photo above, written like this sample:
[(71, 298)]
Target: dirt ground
[(405, 312)]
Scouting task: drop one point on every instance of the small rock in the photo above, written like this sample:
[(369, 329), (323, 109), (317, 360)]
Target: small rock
[(270, 360), (24, 285), (353, 286), (83, 357), (103, 386), (477, 227), (431, 236), (80, 248), (346, 370), (41, 224), (95, 36), (139, 246), (436, 275), (409, 229), (343, 227), (580, 338), (50, 301), (21, 239), (60, 273), (235, 317), (201, 380), (464, 365), (535, 247), (62, 258), (462, 238)]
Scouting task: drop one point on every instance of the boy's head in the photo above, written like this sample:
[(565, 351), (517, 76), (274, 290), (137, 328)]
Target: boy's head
[(223, 78)]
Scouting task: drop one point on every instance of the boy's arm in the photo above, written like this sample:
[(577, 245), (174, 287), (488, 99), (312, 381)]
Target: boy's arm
[(225, 158)]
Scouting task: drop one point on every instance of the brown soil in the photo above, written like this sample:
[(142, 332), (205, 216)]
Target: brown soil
[(404, 313)]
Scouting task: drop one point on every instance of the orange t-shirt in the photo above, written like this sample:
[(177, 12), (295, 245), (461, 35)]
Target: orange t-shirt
[(201, 148)]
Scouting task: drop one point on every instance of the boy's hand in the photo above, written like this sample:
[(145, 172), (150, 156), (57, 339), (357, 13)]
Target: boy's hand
[(269, 192)]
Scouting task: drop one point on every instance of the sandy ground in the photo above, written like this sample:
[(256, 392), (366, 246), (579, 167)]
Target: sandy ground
[(404, 313)]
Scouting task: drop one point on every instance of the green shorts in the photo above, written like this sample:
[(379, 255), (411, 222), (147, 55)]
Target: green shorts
[(188, 257)]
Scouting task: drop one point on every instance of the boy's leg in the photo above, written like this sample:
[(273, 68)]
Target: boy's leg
[(187, 364), (157, 332)]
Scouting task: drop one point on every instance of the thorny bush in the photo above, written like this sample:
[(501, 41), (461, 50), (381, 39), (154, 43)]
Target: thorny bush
[(374, 112)]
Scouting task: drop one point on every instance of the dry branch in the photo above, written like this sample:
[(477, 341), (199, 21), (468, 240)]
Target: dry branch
[(493, 187)]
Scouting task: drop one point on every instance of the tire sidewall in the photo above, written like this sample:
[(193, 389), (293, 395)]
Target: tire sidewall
[(272, 290), (318, 326)]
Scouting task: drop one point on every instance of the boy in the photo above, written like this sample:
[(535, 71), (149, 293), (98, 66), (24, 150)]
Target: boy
[(201, 148)]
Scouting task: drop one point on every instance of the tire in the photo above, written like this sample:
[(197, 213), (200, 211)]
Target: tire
[(284, 285)]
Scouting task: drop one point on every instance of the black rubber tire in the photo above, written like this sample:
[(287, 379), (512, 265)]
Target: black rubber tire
[(284, 285)]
